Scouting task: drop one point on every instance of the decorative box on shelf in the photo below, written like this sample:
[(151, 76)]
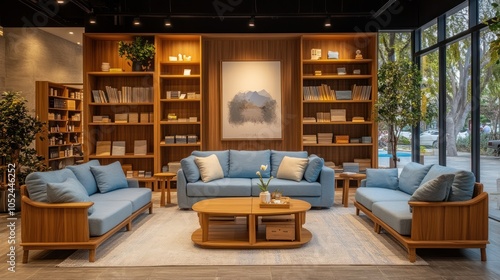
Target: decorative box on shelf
[(342, 139)]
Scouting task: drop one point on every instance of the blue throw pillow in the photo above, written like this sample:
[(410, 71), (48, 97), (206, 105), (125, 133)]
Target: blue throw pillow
[(313, 168), (277, 157), (109, 177), (411, 177), (382, 178), (190, 169), (463, 185), (36, 182), (245, 164), (223, 157), (84, 175), (71, 190)]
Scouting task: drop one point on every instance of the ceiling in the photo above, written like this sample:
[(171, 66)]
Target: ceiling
[(224, 16)]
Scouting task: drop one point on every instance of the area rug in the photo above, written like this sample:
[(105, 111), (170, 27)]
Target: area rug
[(164, 239)]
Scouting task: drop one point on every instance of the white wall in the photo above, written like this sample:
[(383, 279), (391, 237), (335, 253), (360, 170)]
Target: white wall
[(30, 54)]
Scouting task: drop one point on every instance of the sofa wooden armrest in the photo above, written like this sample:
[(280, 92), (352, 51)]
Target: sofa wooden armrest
[(460, 224)]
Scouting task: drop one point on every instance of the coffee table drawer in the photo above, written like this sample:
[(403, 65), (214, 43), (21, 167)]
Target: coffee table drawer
[(280, 231)]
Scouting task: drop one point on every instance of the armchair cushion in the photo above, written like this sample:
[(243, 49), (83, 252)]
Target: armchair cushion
[(245, 164), (85, 176), (292, 168), (382, 178), (313, 168), (109, 177), (71, 190)]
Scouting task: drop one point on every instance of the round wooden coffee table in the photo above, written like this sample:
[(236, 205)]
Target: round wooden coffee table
[(246, 235)]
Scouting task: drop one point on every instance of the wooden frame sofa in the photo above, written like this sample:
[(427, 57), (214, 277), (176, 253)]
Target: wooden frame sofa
[(84, 224), (428, 224)]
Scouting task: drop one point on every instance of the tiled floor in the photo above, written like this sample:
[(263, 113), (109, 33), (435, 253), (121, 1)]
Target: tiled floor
[(443, 264)]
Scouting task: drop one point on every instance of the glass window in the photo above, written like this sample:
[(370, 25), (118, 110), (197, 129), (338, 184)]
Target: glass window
[(486, 11), (429, 36), (457, 22), (490, 124), (429, 64), (394, 46), (458, 104)]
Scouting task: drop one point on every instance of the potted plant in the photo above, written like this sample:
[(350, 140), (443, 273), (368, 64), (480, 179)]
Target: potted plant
[(140, 52), (398, 103), (265, 196), (18, 130), (494, 26)]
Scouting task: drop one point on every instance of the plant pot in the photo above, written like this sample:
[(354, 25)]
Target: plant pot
[(265, 197), (137, 66)]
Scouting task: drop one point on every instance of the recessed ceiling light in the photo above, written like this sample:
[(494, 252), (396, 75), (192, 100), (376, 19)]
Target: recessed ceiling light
[(78, 43), (168, 22), (71, 33), (251, 22), (328, 23), (137, 21)]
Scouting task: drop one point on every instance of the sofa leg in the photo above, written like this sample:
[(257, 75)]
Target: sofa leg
[(129, 226), (357, 211), (151, 209), (483, 254), (376, 228), (412, 254), (91, 255), (26, 255)]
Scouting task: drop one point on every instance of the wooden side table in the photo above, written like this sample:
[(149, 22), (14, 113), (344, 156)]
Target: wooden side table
[(164, 178), (345, 190)]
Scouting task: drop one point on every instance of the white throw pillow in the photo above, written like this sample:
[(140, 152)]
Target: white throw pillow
[(210, 168), (292, 168)]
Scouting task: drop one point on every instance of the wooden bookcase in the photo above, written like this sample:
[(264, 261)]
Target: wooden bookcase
[(346, 46), (181, 78), (59, 106)]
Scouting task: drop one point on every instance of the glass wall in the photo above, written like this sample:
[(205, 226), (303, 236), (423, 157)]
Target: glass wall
[(429, 150)]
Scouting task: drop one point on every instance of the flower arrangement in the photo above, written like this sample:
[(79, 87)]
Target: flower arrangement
[(263, 185)]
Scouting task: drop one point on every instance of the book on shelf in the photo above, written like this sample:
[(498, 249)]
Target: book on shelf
[(140, 147), (103, 148), (133, 117), (342, 139), (130, 174), (173, 94), (144, 118), (321, 92), (180, 139), (361, 92), (325, 138), (191, 95), (323, 116), (309, 139), (309, 119), (364, 163), (118, 148), (337, 115), (358, 119), (121, 118), (192, 139)]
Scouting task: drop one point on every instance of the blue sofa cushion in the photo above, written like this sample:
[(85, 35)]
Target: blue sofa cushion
[(277, 157), (313, 169), (462, 188), (290, 188), (71, 190), (107, 215), (137, 196), (411, 177), (223, 157), (109, 177), (36, 182), (85, 176), (220, 188), (190, 169), (245, 164), (382, 178), (369, 196), (395, 214), (436, 189)]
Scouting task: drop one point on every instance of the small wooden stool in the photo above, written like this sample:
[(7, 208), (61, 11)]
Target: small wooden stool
[(162, 177), (345, 190)]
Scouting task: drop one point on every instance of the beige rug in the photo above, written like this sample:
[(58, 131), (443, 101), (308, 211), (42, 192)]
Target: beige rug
[(164, 238)]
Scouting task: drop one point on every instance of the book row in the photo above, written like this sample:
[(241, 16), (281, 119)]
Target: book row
[(125, 95), (117, 148), (329, 138), (324, 92)]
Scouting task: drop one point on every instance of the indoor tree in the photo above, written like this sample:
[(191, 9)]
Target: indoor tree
[(18, 130)]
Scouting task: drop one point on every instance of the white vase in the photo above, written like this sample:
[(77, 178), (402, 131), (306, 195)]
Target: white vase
[(265, 197)]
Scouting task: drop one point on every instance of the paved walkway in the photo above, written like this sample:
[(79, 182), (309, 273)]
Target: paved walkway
[(490, 173)]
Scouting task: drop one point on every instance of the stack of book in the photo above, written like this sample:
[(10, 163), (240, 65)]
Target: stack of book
[(323, 116), (337, 115), (309, 139), (173, 94), (322, 92), (309, 119), (325, 138), (192, 139), (140, 147)]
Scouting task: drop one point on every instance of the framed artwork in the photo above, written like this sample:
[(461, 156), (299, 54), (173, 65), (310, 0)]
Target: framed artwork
[(251, 100)]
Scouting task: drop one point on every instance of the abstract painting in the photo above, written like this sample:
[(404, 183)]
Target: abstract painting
[(251, 100)]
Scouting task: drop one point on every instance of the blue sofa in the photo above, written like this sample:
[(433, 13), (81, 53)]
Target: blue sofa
[(79, 207), (239, 178), (426, 206)]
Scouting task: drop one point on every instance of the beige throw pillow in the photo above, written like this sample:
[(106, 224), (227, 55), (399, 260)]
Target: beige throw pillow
[(210, 168), (292, 168)]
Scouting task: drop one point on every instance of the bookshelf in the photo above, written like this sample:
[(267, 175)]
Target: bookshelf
[(180, 97), (59, 106), (338, 97)]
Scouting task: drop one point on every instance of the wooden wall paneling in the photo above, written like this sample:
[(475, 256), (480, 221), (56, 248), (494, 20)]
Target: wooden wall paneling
[(286, 49)]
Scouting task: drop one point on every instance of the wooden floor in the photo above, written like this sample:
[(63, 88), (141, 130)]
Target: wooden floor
[(444, 264)]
